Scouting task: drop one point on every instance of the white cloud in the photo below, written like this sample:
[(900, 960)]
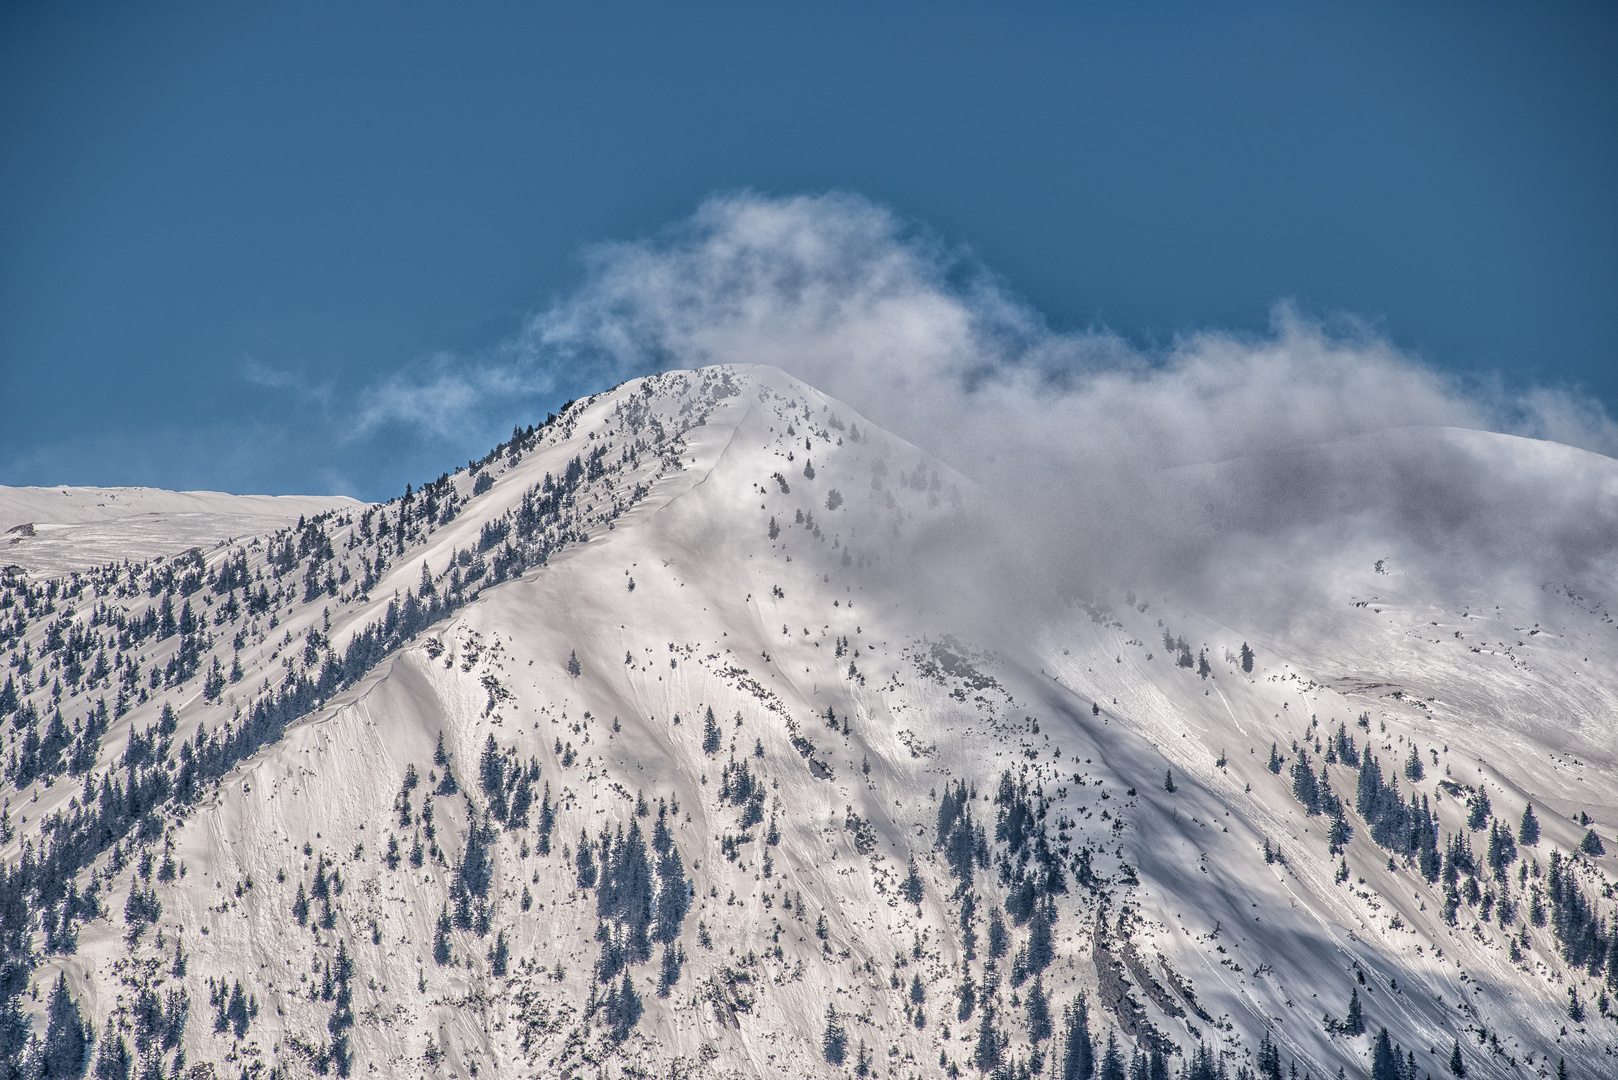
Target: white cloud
[(1091, 447), (441, 398)]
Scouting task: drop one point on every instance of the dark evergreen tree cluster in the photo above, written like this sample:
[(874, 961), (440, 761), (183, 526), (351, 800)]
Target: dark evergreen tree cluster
[(1340, 748), (507, 784), (1390, 1061), (911, 887), (1317, 797), (621, 1008), (1580, 931), (1077, 1060), (336, 987), (472, 875), (1180, 650), (739, 787), (1028, 862), (1478, 811), (1502, 850), (1031, 869), (636, 905), (962, 840), (65, 1051), (234, 1010), (1406, 828)]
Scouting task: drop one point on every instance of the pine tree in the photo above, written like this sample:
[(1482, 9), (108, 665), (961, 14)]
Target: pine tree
[(236, 1011), (673, 895), (1168, 781), (1591, 844), (1275, 759), (573, 667), (1385, 1063), (500, 954), (1269, 1058), (492, 769), (986, 1054), (1305, 788), (67, 1035), (1501, 850), (711, 736), (113, 1061), (441, 938), (1041, 946), (1039, 1012), (1457, 1066), (834, 1042), (669, 969), (1479, 816), (1354, 1022), (1112, 1059), (999, 940), (911, 889), (623, 1007), (1078, 1052), (1247, 659)]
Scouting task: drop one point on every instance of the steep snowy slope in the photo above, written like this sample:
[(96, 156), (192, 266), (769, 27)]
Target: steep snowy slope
[(649, 748), (58, 530)]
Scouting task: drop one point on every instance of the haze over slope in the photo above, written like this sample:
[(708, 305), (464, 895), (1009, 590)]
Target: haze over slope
[(868, 759)]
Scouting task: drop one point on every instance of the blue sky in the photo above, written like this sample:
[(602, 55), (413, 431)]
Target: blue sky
[(224, 229)]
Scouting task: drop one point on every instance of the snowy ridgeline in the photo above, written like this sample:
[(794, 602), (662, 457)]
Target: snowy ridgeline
[(625, 751), (55, 531)]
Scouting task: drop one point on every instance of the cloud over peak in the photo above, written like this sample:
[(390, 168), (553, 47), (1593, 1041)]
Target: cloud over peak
[(1173, 465)]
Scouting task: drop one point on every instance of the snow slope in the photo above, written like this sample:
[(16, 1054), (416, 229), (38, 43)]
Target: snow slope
[(57, 530), (679, 579)]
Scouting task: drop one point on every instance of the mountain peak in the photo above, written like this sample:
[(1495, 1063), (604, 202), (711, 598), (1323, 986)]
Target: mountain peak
[(647, 745)]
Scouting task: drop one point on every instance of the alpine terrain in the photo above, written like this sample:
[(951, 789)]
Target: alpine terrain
[(650, 745)]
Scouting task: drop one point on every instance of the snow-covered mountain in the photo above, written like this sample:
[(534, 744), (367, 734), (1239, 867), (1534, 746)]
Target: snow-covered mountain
[(648, 747), (51, 531)]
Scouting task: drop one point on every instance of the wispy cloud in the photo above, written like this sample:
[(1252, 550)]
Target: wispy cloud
[(271, 378), (1216, 461), (1194, 462), (443, 397)]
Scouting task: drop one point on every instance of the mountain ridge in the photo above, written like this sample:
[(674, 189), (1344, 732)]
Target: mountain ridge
[(1126, 893)]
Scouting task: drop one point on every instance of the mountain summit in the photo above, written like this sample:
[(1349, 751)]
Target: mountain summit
[(666, 741)]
